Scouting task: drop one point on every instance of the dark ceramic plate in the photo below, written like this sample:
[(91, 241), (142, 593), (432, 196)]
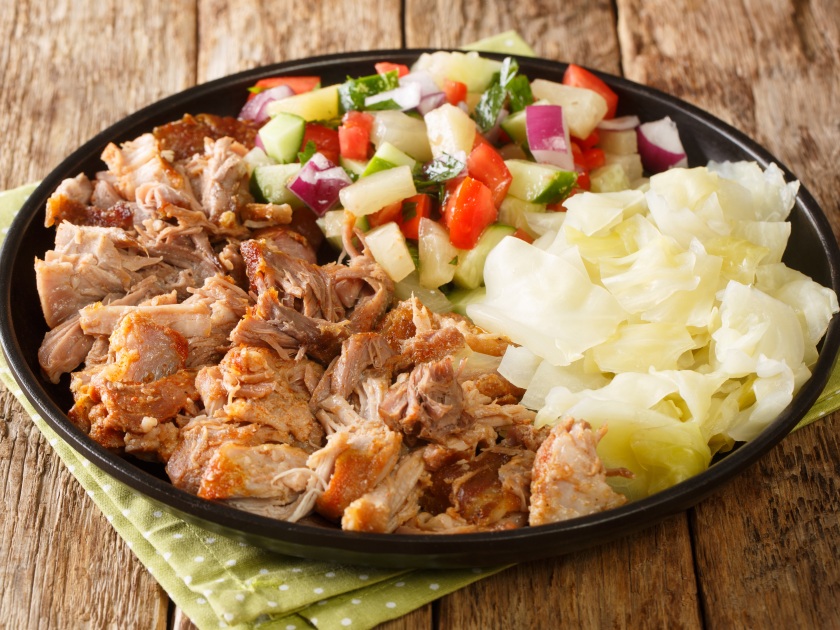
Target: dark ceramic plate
[(813, 250)]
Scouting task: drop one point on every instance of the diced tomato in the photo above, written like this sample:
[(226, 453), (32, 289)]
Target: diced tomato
[(578, 77), (406, 214), (593, 158), (413, 209), (487, 166), (299, 85), (455, 91), (392, 212), (469, 209), (523, 235), (354, 135), (583, 181), (589, 141), (326, 140), (386, 66)]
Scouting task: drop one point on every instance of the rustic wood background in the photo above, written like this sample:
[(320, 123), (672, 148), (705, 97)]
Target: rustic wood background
[(763, 552)]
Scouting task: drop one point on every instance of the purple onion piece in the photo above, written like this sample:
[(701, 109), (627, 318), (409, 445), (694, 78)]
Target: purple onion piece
[(256, 108), (548, 136), (659, 146), (423, 79), (624, 123), (318, 184), (430, 102)]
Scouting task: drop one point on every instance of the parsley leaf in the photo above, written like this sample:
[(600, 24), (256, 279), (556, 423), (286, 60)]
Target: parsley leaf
[(443, 168), (409, 210), (507, 86), (308, 151), (519, 90), (353, 92)]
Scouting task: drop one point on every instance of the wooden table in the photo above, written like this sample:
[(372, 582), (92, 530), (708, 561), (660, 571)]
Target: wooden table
[(763, 552)]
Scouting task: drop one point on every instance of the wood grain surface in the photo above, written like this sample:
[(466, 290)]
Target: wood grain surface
[(765, 551)]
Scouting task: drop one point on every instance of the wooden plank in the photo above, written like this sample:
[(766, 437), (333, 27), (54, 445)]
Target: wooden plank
[(562, 31), (70, 69), (650, 575), (770, 69), (254, 32)]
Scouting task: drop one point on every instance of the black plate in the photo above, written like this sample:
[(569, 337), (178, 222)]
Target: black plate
[(813, 250)]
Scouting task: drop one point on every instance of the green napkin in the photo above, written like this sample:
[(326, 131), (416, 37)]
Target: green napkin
[(223, 583)]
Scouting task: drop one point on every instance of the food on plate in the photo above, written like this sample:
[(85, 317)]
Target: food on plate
[(621, 328)]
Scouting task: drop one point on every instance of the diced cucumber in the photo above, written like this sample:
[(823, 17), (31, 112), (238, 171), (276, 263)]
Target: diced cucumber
[(470, 271), (438, 256), (376, 191), (539, 183), (618, 142), (432, 299), (356, 167), (256, 157), (507, 43), (475, 71), (281, 136), (405, 132), (269, 184), (450, 130), (387, 156), (515, 212), (461, 298), (582, 109), (315, 105), (632, 164), (332, 225), (609, 178), (388, 247)]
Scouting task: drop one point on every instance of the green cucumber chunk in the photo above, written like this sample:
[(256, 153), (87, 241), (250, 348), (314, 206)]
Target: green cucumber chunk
[(539, 183), (470, 271), (269, 184), (461, 298), (282, 136), (388, 156)]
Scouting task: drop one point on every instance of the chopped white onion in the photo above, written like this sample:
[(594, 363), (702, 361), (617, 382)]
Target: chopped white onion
[(406, 96)]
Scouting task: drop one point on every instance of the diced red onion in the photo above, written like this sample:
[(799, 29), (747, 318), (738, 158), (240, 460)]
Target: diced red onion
[(318, 183), (623, 123), (255, 108), (423, 79), (406, 96), (259, 143), (660, 146), (430, 102), (548, 136)]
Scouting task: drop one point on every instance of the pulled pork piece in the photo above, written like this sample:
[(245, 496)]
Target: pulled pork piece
[(359, 454), (140, 161), (219, 178), (254, 385), (392, 502), (87, 264), (185, 137), (215, 459), (489, 492), (427, 403), (362, 355), (569, 479), (142, 385), (70, 202)]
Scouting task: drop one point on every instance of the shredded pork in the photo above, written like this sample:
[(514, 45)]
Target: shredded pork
[(199, 331)]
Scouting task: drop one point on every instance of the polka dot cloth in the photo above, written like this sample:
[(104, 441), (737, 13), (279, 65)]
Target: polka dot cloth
[(222, 583)]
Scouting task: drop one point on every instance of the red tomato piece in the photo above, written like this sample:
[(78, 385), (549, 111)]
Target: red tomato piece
[(413, 209), (583, 181), (578, 77), (392, 212), (593, 158), (325, 139), (487, 166), (455, 91), (299, 85), (589, 141), (386, 66), (469, 210), (354, 135)]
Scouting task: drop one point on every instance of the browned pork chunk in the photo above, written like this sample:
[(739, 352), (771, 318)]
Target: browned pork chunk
[(569, 479)]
